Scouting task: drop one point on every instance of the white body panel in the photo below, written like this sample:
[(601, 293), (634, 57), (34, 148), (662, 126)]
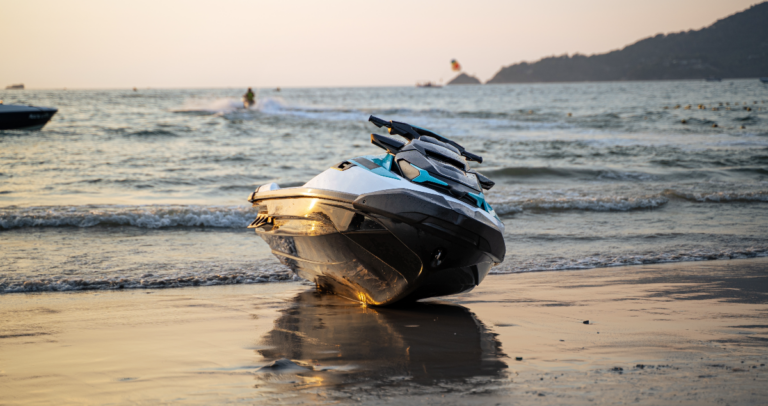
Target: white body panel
[(358, 181)]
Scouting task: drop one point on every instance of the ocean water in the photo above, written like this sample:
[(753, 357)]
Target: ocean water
[(128, 189)]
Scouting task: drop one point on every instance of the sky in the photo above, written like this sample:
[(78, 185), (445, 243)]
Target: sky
[(309, 43)]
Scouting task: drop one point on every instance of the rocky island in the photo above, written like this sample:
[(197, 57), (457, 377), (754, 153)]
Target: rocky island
[(464, 79), (734, 47)]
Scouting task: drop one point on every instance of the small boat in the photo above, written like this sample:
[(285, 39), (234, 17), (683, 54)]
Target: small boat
[(713, 79), (19, 117), (19, 86), (409, 224), (764, 80), (428, 84)]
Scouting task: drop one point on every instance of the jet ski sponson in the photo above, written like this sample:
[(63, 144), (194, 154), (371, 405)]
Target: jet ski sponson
[(409, 224)]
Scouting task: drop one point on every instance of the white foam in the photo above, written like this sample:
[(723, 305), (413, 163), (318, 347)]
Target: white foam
[(228, 105), (548, 201), (137, 216), (720, 197), (156, 276), (598, 261), (519, 200), (222, 105)]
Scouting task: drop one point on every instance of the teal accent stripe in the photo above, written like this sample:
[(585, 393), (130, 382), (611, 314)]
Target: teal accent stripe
[(481, 203), (384, 162), (383, 172), (424, 176)]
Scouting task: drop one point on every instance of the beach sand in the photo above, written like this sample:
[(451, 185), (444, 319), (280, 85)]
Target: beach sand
[(683, 333)]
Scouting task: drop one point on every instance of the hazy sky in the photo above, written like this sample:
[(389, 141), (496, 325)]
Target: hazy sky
[(231, 43)]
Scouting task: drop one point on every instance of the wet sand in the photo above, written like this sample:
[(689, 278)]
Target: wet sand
[(690, 333)]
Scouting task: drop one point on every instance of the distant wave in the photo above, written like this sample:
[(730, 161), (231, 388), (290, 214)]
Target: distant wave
[(682, 173), (537, 172), (277, 106), (137, 216), (719, 197), (521, 119), (152, 133)]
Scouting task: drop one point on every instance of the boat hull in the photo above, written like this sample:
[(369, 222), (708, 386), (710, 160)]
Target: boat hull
[(24, 117), (378, 248)]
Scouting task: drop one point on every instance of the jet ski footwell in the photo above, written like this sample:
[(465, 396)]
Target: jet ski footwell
[(378, 248)]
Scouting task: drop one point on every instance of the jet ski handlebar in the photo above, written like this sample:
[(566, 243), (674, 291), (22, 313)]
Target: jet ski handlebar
[(412, 132)]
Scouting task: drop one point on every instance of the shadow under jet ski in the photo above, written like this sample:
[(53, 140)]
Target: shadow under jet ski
[(330, 341)]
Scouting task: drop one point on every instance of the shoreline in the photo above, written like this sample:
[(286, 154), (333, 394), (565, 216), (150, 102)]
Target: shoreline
[(241, 276), (690, 333)]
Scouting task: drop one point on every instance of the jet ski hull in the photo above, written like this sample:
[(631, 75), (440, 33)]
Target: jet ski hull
[(381, 247)]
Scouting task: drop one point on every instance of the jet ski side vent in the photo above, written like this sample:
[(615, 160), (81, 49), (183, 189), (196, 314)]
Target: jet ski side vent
[(262, 221), (343, 165)]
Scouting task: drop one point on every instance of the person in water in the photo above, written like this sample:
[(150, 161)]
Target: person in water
[(249, 98)]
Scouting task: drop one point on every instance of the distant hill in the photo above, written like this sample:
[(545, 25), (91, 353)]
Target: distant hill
[(464, 79), (734, 47)]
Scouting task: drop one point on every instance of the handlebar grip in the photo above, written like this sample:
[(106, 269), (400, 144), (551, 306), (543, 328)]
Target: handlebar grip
[(392, 146), (378, 122), (472, 157)]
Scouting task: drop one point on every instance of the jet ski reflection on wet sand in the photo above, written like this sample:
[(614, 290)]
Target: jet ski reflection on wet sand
[(409, 224)]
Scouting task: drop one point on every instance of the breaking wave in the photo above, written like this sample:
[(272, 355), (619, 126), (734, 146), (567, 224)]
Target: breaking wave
[(516, 202), (136, 216), (549, 172), (157, 276), (719, 197), (597, 261), (168, 216)]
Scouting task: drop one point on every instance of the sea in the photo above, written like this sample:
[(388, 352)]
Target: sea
[(142, 189)]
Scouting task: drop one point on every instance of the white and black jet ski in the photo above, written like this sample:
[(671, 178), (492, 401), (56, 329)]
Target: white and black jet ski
[(406, 225), (19, 117)]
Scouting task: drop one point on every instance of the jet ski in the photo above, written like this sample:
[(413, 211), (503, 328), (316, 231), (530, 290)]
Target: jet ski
[(409, 224), (19, 117)]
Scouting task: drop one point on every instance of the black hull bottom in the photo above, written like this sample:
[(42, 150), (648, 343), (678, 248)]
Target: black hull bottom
[(354, 266), (349, 247), (24, 121)]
